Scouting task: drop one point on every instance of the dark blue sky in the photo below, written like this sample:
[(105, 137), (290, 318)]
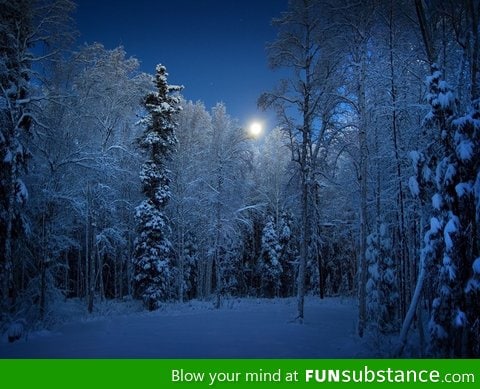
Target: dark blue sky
[(215, 48)]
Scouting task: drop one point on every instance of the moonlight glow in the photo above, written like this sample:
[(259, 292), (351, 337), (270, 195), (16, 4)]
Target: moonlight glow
[(255, 129)]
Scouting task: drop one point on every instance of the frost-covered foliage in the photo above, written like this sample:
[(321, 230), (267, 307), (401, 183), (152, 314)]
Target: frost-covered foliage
[(288, 252), (382, 291), (230, 269), (226, 155), (190, 266), (270, 266), (154, 273), (450, 167), (373, 294), (16, 121), (473, 305)]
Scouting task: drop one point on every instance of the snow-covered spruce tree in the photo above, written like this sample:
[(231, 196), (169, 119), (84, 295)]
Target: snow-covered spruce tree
[(270, 267), (382, 293), (154, 273), (15, 123), (388, 284), (451, 167), (467, 190), (473, 306), (372, 254), (448, 315)]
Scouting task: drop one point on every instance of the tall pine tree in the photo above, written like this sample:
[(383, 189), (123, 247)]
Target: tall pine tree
[(154, 273)]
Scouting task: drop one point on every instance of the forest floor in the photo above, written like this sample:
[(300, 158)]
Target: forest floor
[(241, 328)]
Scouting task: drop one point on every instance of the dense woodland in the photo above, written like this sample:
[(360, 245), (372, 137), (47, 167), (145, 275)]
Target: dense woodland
[(112, 185)]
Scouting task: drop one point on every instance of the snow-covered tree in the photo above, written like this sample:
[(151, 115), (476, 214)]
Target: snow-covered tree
[(288, 253), (447, 170), (84, 179), (454, 250), (16, 123), (304, 105), (382, 294), (154, 274), (226, 155), (187, 213), (24, 26), (373, 292), (190, 266), (472, 291), (450, 169), (270, 267), (440, 248)]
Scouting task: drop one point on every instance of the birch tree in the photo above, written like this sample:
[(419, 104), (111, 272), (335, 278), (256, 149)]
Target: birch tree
[(303, 105), (227, 155), (187, 212)]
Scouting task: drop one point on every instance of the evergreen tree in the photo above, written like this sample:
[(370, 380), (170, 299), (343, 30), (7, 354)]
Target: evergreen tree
[(450, 167), (373, 293), (467, 138), (447, 313), (15, 123), (271, 269), (154, 273), (389, 320), (382, 293)]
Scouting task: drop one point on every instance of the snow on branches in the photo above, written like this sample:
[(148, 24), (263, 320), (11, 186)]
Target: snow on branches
[(154, 273), (449, 244)]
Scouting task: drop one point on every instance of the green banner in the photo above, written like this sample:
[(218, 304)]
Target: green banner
[(241, 373)]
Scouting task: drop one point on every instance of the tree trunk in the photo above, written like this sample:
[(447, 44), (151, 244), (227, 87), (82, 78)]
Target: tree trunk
[(218, 238), (43, 288), (43, 264), (181, 258), (87, 258), (129, 266), (404, 257), (474, 72), (100, 262), (427, 39), (362, 313), (66, 274), (421, 330), (79, 272), (411, 311), (321, 276), (91, 284), (7, 287), (303, 250)]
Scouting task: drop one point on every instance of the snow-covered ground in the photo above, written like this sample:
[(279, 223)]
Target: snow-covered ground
[(241, 328)]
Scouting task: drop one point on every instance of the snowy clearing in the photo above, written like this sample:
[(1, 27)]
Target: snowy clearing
[(241, 328)]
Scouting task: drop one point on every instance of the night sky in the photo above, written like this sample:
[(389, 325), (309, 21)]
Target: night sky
[(215, 48)]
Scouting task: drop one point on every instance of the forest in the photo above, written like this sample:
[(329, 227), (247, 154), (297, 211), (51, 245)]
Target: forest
[(114, 186)]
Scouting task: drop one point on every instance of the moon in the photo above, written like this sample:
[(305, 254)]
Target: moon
[(255, 129)]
